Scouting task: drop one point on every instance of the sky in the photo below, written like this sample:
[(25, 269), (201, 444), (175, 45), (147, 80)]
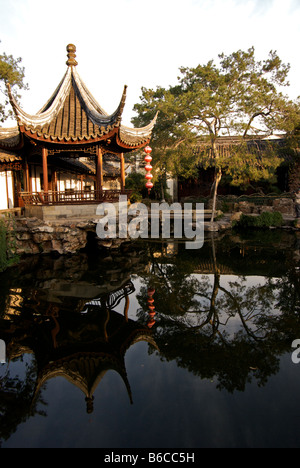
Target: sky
[(140, 43)]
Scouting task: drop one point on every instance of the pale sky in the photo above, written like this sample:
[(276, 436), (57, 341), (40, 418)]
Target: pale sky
[(140, 43)]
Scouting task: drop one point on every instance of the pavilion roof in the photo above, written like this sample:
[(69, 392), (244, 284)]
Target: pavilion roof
[(8, 157), (9, 161), (10, 137), (72, 115)]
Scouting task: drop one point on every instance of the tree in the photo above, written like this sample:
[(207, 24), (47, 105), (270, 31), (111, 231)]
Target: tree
[(171, 137), (291, 150), (237, 96), (10, 72)]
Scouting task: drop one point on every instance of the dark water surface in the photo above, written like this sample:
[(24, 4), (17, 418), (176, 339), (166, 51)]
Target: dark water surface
[(89, 364)]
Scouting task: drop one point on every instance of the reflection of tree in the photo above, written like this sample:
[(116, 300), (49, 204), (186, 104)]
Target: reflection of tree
[(176, 287), (232, 331), (288, 291), (16, 393)]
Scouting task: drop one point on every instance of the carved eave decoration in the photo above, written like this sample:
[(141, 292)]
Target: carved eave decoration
[(72, 116)]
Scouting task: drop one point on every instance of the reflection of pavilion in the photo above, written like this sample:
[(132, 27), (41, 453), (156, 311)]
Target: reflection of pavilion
[(79, 346)]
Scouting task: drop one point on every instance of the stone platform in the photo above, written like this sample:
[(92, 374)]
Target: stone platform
[(61, 212)]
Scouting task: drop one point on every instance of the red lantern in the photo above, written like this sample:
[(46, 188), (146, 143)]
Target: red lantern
[(148, 168), (148, 150), (149, 186)]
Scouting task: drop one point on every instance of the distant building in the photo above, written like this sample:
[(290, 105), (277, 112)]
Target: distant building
[(200, 186)]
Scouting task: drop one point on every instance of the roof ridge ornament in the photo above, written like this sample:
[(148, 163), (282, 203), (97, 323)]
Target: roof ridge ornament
[(71, 49)]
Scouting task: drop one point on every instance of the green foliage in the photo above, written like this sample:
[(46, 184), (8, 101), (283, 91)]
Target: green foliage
[(136, 182), (3, 247), (236, 96), (246, 165), (291, 149), (10, 72), (264, 220), (7, 244), (171, 138)]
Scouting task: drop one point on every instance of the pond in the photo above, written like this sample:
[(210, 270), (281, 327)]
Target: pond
[(154, 346)]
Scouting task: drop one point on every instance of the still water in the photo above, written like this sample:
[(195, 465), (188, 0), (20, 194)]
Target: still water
[(154, 346)]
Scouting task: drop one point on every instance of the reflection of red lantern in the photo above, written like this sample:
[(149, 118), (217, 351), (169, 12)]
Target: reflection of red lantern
[(151, 307), (151, 323), (148, 168)]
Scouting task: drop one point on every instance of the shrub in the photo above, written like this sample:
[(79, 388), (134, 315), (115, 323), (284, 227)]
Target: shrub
[(8, 256), (265, 220), (136, 197), (136, 183), (270, 219), (3, 246)]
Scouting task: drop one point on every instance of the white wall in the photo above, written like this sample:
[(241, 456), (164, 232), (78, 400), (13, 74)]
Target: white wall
[(36, 181), (3, 193), (64, 181), (67, 181), (172, 188)]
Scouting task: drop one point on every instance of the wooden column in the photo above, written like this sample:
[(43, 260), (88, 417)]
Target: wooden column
[(54, 185), (99, 169), (35, 180), (7, 190), (54, 181), (45, 169), (122, 172), (27, 177), (19, 189)]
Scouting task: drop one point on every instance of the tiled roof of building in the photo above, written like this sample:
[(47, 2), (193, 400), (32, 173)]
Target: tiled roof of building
[(8, 157), (72, 115), (9, 137)]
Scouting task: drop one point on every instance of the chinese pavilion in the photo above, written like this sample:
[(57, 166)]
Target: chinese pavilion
[(69, 130)]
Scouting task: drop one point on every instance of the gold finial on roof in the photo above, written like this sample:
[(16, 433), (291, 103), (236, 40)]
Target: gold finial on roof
[(71, 49)]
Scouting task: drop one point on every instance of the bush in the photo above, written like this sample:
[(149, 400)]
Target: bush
[(136, 182), (265, 220), (270, 219), (7, 244), (3, 246), (136, 197)]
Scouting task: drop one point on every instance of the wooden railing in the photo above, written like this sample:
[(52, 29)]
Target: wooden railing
[(72, 197), (11, 212)]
